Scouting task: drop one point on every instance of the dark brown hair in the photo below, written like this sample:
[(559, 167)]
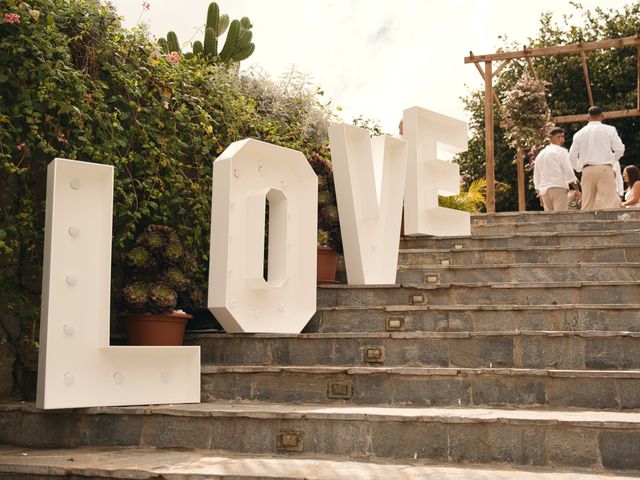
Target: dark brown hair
[(595, 111), (633, 173), (556, 131)]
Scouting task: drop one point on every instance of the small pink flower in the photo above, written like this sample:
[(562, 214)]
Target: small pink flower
[(11, 18), (173, 57), (88, 97), (165, 104), (145, 5), (21, 146), (62, 138)]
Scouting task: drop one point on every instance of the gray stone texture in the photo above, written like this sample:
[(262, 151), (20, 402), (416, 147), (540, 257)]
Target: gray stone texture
[(519, 345)]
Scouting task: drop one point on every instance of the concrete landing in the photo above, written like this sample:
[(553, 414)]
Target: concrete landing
[(148, 463)]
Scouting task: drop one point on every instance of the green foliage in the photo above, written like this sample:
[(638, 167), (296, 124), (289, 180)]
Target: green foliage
[(75, 84), (472, 200), (237, 45), (613, 78)]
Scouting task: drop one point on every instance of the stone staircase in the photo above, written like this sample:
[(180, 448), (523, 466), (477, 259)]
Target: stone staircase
[(518, 347)]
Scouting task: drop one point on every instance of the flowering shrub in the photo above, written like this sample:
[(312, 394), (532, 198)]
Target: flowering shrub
[(526, 113), (11, 18), (173, 57), (75, 84)]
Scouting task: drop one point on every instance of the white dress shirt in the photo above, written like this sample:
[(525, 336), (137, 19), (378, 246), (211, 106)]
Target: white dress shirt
[(619, 181), (595, 144), (552, 169)]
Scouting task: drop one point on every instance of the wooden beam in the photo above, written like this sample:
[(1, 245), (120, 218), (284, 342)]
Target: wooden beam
[(499, 69), (531, 67), (488, 138), (521, 198), (583, 59), (495, 96), (557, 50), (583, 116)]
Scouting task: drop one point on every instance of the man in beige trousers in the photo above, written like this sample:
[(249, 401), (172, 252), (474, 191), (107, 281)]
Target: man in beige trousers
[(595, 151), (552, 173)]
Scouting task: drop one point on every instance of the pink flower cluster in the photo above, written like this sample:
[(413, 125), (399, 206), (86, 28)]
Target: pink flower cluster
[(173, 57), (62, 138), (11, 18), (145, 5)]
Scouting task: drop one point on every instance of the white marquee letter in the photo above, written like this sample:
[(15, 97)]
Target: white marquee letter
[(77, 367), (247, 175), (428, 134), (369, 176)]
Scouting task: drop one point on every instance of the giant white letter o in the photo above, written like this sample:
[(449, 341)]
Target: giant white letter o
[(247, 175)]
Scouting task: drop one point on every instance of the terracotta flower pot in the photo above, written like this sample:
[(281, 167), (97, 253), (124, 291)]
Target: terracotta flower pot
[(327, 264), (155, 328)]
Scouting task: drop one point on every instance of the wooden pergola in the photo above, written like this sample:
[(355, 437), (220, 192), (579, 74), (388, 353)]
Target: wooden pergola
[(488, 74)]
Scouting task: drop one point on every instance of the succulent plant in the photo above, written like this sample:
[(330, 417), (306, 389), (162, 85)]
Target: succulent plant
[(162, 298), (140, 258), (136, 296), (237, 45), (160, 272), (177, 279)]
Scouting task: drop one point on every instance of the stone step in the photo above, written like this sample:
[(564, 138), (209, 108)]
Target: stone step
[(475, 318), (570, 216), (515, 293), (151, 463), (519, 272), (555, 226), (588, 439), (538, 239), (407, 386), (521, 349), (531, 254)]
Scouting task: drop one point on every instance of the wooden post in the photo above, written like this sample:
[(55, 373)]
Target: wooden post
[(488, 137), (585, 70), (521, 198)]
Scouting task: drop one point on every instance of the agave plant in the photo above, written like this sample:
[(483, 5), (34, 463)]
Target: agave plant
[(159, 271)]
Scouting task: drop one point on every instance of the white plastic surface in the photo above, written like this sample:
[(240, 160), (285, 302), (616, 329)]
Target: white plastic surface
[(432, 136), (77, 367), (369, 176), (247, 175)]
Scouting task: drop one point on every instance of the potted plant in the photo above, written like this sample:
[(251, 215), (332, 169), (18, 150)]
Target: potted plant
[(159, 270), (327, 259), (329, 241)]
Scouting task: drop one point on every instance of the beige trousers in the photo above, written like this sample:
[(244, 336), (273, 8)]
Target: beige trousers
[(555, 199), (599, 188)]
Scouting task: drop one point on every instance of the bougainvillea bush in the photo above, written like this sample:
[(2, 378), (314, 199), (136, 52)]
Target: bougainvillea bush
[(526, 113), (75, 84)]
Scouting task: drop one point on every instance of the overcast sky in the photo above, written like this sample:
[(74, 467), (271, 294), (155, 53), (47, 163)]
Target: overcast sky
[(371, 57)]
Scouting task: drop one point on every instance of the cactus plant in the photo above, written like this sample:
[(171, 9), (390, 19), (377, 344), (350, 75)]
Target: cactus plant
[(164, 46), (237, 45), (198, 48), (159, 270), (172, 42)]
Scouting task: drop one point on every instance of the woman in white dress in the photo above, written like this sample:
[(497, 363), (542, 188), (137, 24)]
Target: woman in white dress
[(631, 176)]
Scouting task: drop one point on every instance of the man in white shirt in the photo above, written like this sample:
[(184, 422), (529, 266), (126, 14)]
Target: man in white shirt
[(552, 173), (595, 150)]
